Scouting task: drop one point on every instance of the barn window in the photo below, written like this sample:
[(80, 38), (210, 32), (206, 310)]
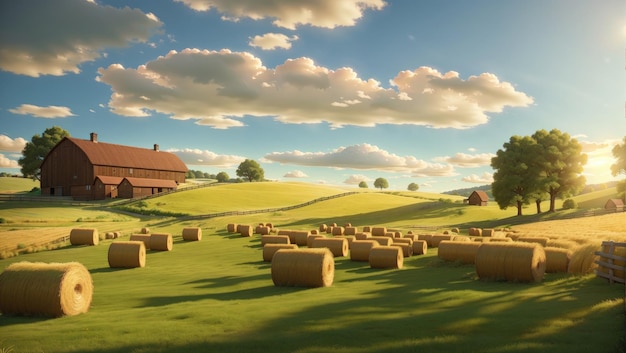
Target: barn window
[(87, 187), (130, 171)]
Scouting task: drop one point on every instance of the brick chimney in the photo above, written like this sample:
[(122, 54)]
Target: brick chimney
[(93, 137), (156, 147)]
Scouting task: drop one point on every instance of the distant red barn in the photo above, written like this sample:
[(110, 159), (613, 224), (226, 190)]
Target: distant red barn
[(478, 198), (89, 169), (614, 204)]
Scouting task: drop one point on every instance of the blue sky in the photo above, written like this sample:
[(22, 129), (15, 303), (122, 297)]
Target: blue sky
[(319, 91)]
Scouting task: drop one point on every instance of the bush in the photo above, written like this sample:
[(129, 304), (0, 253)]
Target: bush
[(569, 204)]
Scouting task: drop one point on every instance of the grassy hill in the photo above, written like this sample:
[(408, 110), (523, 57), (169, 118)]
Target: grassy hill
[(10, 185)]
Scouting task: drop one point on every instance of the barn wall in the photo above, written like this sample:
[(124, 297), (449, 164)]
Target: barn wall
[(65, 167)]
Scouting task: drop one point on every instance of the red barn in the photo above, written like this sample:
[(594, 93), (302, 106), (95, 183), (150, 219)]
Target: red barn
[(89, 169), (478, 198), (614, 204)]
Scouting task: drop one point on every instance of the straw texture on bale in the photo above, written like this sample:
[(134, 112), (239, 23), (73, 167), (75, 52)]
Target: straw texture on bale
[(231, 228), (390, 234), (362, 235), (360, 250), (245, 230), (192, 234), (145, 238), (455, 230), (487, 232), (367, 229), (407, 249), (329, 230), (117, 235), (338, 230), (84, 236), (275, 239), (337, 246), (303, 268), (269, 225), (437, 238), (403, 241), (323, 228), (349, 238), (557, 259), (462, 251), (461, 238), (265, 230), (45, 289), (518, 262), (145, 230), (161, 242), (475, 232), (109, 235), (378, 231), (539, 240), (386, 257), (290, 233), (427, 237), (311, 237), (347, 225), (300, 237), (420, 247), (270, 249), (583, 258), (127, 254), (314, 231), (350, 230), (397, 234), (502, 240), (411, 236), (382, 240)]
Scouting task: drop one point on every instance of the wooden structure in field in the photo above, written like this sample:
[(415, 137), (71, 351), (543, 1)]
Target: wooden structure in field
[(614, 204), (478, 198), (92, 170)]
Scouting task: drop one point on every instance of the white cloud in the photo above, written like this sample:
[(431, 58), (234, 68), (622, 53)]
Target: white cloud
[(204, 157), (7, 163), (217, 87), (464, 160), (34, 42), (49, 112), (363, 156), (271, 41), (355, 179), (296, 174), (289, 13), (8, 144), (485, 178)]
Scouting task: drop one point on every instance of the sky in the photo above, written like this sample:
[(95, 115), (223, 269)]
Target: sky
[(319, 91)]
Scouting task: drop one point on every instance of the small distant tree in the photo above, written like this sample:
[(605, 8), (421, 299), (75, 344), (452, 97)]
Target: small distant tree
[(570, 204), (190, 174), (198, 174), (250, 170), (381, 183), (222, 177), (37, 149), (413, 187), (619, 167), (363, 185)]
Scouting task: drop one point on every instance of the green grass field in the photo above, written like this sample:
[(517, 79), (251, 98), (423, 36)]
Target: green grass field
[(217, 295)]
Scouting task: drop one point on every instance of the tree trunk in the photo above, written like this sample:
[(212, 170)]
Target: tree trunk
[(519, 208), (538, 202), (552, 201)]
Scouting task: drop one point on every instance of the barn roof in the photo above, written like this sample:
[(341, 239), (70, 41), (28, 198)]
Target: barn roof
[(481, 194), (109, 180), (151, 183), (108, 154), (614, 202)]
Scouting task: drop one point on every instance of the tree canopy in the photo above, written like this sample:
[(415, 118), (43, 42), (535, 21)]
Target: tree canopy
[(381, 183), (619, 167), (413, 187), (363, 184), (37, 149), (250, 170), (222, 177)]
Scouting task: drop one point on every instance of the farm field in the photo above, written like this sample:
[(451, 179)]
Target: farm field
[(217, 294)]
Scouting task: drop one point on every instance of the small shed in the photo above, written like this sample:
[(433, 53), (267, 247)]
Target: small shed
[(137, 187), (614, 204), (478, 198), (106, 187)]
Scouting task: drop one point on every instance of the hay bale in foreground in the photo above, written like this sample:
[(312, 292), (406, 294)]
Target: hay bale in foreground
[(583, 258), (288, 232), (127, 254), (427, 237), (382, 240), (407, 249), (438, 238), (386, 257), (310, 238), (145, 238), (360, 250), (192, 234), (245, 230), (300, 237), (539, 240), (557, 259), (303, 267), (420, 247), (337, 246), (378, 231), (275, 239), (84, 236), (270, 249), (161, 242), (463, 251), (45, 289), (520, 262), (403, 241), (231, 227)]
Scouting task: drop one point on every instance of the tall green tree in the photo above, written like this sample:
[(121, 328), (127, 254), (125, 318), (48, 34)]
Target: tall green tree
[(381, 183), (619, 167), (250, 170), (413, 187), (516, 174), (222, 177), (561, 162), (36, 150)]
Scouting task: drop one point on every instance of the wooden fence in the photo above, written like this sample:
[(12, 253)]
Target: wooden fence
[(612, 266)]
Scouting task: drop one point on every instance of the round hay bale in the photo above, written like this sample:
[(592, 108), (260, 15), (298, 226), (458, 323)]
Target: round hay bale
[(303, 267), (487, 232), (367, 229), (245, 230), (502, 240), (520, 262), (475, 232), (407, 249), (338, 230), (403, 241), (583, 258), (145, 230), (192, 234), (257, 228), (347, 225), (337, 246), (350, 230), (84, 236), (161, 242), (427, 237), (437, 238), (360, 250), (386, 257), (455, 230), (314, 231), (231, 227), (362, 235), (323, 228), (145, 238), (290, 233), (463, 251), (300, 237), (109, 235), (382, 240), (271, 248), (127, 254), (557, 259), (397, 234), (333, 224), (269, 225), (461, 238), (311, 237), (390, 234), (275, 239), (349, 238), (117, 235), (420, 247), (539, 240), (45, 289), (411, 236), (378, 231), (562, 243), (329, 230)]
